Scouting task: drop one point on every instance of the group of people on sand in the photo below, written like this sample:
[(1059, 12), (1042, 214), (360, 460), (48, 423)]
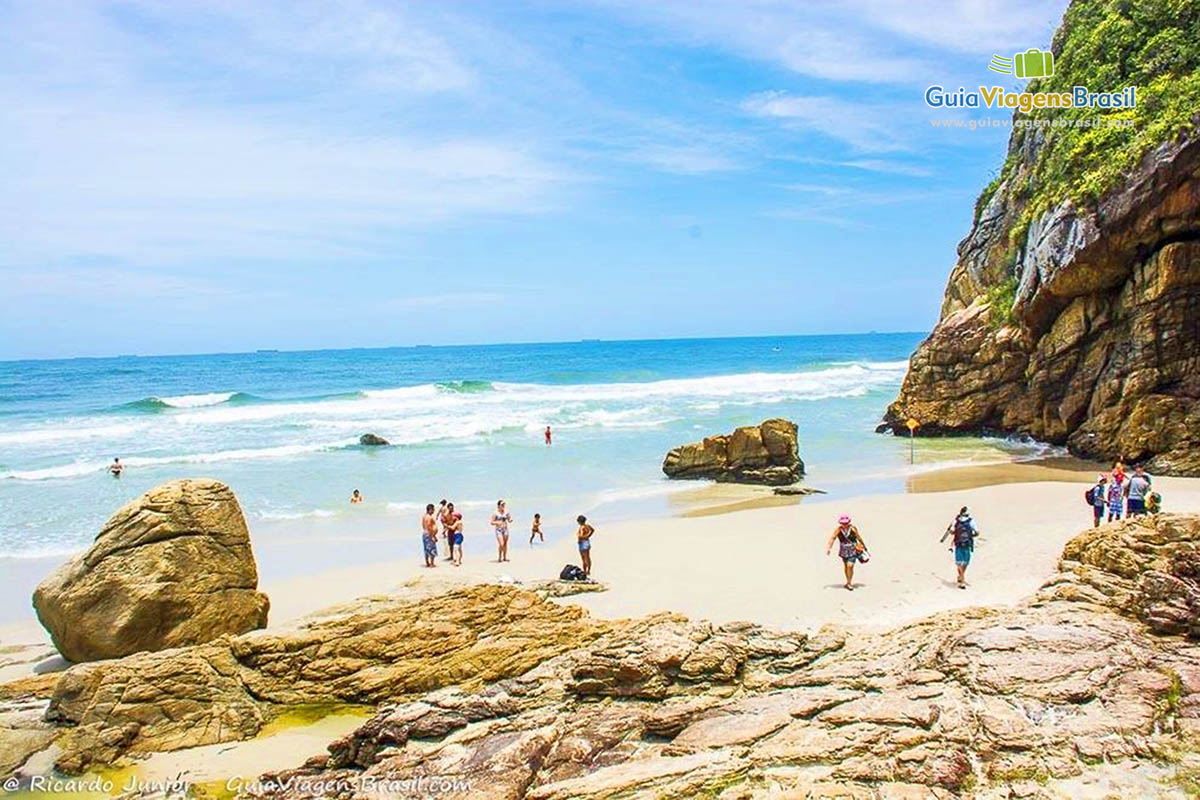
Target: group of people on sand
[(443, 524), (1115, 492), (852, 548)]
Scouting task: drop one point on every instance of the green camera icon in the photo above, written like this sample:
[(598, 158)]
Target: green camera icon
[(1033, 64)]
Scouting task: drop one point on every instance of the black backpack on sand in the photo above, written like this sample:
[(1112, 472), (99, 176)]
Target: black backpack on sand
[(571, 573)]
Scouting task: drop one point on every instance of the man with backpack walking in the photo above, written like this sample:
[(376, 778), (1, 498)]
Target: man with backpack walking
[(1097, 498), (964, 531)]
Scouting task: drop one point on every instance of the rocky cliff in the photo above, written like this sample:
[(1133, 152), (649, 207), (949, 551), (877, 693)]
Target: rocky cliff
[(1073, 311), (1093, 684)]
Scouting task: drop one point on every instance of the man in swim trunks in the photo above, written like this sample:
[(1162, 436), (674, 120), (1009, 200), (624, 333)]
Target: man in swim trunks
[(583, 537), (456, 534), (444, 517), (429, 536), (116, 468), (964, 530), (500, 521)]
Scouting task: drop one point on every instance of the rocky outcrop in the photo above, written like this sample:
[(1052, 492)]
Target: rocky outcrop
[(502, 694), (171, 568), (371, 440), (765, 454), (1103, 350), (1073, 311), (366, 653), (1013, 702)]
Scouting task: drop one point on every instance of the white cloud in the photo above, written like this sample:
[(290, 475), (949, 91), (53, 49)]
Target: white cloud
[(864, 126)]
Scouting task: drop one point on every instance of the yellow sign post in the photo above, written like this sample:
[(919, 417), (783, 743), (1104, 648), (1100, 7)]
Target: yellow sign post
[(912, 431)]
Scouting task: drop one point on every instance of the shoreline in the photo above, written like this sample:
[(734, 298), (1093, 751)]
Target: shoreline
[(764, 552)]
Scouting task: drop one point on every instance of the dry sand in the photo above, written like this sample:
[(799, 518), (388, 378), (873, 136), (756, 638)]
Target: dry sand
[(768, 564)]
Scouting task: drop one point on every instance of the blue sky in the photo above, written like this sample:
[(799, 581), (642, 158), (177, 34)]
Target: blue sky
[(196, 177)]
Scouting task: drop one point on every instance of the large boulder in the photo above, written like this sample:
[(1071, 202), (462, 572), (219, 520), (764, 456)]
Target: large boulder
[(766, 454), (172, 568)]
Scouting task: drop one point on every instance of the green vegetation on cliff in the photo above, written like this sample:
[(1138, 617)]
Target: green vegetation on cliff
[(1106, 45)]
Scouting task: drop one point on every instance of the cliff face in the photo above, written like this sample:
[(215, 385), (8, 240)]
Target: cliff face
[(1073, 311)]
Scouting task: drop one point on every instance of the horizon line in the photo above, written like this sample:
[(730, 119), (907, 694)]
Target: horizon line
[(422, 346)]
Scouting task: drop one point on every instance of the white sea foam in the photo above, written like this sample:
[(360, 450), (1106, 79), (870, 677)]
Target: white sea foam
[(69, 430), (80, 467), (316, 513), (196, 400), (416, 415)]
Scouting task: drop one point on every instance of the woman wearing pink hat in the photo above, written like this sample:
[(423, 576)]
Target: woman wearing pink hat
[(851, 547)]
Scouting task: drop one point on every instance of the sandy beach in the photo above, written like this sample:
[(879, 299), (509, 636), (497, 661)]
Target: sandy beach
[(742, 553)]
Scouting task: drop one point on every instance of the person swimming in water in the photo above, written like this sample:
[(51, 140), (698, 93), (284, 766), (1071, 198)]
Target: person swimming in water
[(356, 497), (116, 468)]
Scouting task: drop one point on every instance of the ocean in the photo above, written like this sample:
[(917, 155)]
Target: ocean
[(282, 429)]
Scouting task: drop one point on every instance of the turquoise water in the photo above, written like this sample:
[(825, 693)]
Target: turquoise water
[(282, 428)]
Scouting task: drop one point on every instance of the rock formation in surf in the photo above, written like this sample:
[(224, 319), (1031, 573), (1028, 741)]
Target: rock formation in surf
[(766, 454), (1095, 680), (171, 568), (1073, 311), (371, 440)]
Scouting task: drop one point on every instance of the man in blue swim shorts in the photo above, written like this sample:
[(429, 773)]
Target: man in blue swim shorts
[(964, 531)]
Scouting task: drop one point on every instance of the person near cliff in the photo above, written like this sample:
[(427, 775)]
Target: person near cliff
[(1099, 499), (1116, 498), (429, 536), (583, 537), (964, 531), (500, 521), (851, 547), (1136, 489)]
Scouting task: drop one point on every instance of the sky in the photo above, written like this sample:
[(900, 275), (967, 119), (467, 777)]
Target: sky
[(193, 177)]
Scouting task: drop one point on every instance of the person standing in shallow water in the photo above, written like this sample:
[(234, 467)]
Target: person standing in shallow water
[(547, 435), (116, 468), (429, 536), (583, 537), (964, 530), (850, 547), (536, 530)]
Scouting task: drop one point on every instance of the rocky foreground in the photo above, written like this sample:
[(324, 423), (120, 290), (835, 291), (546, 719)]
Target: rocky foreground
[(503, 693)]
